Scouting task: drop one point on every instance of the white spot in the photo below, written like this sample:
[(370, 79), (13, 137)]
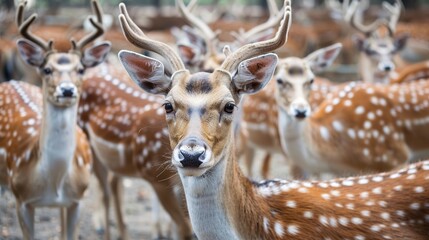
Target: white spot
[(293, 229), (360, 110), (398, 188), (351, 133), (343, 221), (367, 124), (291, 204), (333, 221), (337, 126), (324, 133), (359, 237), (329, 108), (278, 228), (335, 193), (419, 189), (308, 214), (348, 183), (357, 220), (415, 206), (377, 179), (375, 228), (363, 181), (326, 196), (323, 220), (371, 116), (377, 190), (385, 215), (386, 130), (266, 224), (365, 213)]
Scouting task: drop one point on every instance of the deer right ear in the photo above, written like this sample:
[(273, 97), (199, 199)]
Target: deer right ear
[(31, 53), (147, 72), (324, 57)]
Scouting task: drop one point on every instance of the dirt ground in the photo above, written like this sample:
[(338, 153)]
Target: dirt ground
[(137, 210)]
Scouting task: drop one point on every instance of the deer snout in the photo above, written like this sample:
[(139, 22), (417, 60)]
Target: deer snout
[(300, 109), (66, 90), (191, 153), (386, 66)]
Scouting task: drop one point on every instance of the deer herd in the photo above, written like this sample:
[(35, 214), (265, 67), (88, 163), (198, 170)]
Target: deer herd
[(182, 116)]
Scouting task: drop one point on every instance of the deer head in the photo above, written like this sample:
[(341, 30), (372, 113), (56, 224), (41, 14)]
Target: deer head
[(377, 43), (200, 107), (295, 77), (61, 72)]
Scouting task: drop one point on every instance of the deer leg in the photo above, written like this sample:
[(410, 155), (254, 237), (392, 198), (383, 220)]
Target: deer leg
[(63, 223), (266, 163), (117, 193), (175, 209), (26, 220), (156, 218), (103, 215), (71, 219)]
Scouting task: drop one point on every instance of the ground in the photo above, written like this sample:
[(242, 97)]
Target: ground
[(137, 209)]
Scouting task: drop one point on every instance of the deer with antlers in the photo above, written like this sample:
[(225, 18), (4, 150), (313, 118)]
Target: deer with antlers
[(222, 203), (47, 156), (378, 47)]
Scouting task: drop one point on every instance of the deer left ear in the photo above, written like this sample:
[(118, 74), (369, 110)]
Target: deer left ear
[(95, 54), (401, 42), (323, 58), (253, 74)]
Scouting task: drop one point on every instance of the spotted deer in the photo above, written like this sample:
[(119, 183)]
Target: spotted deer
[(411, 72), (378, 47), (45, 157), (222, 203), (128, 134), (259, 125), (361, 128)]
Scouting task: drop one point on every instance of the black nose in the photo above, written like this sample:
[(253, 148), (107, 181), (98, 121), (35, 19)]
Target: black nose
[(300, 114), (387, 68), (67, 92), (192, 152)]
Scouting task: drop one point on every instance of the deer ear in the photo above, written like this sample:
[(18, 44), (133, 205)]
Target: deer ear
[(95, 54), (147, 72), (401, 42), (253, 74), (31, 53), (323, 58), (189, 55)]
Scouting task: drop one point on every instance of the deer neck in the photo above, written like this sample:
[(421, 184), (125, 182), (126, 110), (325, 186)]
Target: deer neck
[(57, 138), (222, 202)]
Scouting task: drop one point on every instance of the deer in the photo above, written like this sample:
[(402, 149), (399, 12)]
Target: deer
[(127, 133), (378, 47), (259, 124), (222, 202), (45, 157)]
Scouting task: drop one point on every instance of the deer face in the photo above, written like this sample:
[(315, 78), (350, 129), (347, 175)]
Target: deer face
[(200, 107), (295, 76), (62, 72), (380, 47)]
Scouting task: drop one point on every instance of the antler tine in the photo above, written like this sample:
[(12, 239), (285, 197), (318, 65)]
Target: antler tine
[(24, 26), (192, 20), (139, 39), (394, 11), (272, 8), (272, 21), (98, 25), (254, 49), (352, 18)]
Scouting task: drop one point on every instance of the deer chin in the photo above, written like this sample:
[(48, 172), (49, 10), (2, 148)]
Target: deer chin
[(63, 101)]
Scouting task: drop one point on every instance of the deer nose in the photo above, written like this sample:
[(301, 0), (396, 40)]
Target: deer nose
[(192, 152), (300, 113), (67, 90)]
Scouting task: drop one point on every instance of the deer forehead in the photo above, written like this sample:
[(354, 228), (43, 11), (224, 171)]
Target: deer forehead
[(199, 90), (63, 62), (294, 70)]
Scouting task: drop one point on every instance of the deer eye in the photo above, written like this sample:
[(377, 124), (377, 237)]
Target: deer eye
[(47, 71), (81, 71), (229, 107), (279, 81), (312, 81), (168, 107)]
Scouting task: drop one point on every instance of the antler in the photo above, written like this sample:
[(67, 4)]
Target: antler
[(98, 25), (24, 26), (254, 49), (136, 36), (208, 34), (274, 19), (394, 11)]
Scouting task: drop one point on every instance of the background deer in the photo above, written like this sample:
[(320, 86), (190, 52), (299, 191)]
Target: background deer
[(48, 157), (378, 47), (223, 204), (259, 125)]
